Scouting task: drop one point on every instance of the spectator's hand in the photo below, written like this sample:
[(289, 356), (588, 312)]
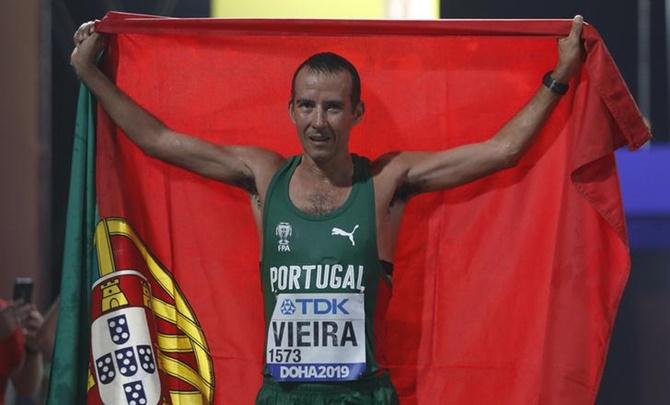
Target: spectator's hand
[(88, 44), (30, 320), (570, 52), (8, 320)]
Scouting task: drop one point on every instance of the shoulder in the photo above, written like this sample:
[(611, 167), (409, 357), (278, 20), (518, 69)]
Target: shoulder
[(262, 158), (396, 171), (389, 172), (263, 163)]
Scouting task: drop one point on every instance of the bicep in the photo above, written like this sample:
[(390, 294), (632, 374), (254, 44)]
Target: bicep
[(235, 165), (432, 171)]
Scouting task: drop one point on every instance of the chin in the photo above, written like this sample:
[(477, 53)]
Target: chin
[(319, 156)]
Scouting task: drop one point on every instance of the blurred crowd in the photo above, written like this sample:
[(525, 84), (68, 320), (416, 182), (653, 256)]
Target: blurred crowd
[(26, 345)]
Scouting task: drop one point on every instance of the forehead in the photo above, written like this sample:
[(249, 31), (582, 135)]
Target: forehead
[(310, 83)]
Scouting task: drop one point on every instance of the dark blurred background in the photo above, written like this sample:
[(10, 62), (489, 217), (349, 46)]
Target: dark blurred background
[(39, 99)]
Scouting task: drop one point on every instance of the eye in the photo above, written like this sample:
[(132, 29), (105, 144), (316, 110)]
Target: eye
[(334, 107), (305, 104)]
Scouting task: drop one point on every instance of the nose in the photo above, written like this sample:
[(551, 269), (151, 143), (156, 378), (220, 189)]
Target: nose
[(319, 121)]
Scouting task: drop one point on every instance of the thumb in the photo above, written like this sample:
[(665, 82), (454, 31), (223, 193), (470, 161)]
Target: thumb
[(577, 25)]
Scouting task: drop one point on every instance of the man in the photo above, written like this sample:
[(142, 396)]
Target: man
[(328, 219)]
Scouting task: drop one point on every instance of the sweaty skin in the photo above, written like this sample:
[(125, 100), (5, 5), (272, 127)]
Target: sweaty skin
[(323, 115)]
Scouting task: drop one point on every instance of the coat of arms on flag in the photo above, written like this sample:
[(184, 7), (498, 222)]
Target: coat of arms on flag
[(146, 344)]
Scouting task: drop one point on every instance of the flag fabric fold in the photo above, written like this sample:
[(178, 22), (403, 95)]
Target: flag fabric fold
[(68, 378), (505, 289)]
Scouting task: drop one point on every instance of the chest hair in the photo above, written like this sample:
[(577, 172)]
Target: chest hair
[(320, 201)]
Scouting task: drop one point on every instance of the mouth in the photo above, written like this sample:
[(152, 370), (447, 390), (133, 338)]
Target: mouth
[(319, 138)]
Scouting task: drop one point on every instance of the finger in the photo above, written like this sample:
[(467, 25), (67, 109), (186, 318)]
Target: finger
[(95, 38), (36, 316), (31, 325), (78, 37), (577, 25), (23, 311), (88, 39), (27, 332), (82, 31)]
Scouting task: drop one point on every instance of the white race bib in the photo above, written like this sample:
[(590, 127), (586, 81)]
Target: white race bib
[(317, 337)]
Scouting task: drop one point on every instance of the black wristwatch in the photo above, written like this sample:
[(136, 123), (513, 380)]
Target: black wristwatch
[(553, 85)]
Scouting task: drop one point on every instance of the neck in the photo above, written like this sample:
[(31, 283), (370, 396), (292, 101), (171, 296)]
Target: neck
[(337, 171)]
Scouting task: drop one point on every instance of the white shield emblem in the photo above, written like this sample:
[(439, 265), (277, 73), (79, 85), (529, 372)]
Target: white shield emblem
[(124, 360)]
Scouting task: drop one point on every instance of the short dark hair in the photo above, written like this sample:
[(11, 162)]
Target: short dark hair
[(329, 62)]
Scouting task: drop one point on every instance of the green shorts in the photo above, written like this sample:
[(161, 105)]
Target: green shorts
[(377, 390)]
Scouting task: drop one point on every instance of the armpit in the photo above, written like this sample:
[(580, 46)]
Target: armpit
[(402, 194)]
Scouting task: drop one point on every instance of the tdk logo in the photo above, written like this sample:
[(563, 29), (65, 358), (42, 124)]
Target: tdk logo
[(322, 306), (287, 307)]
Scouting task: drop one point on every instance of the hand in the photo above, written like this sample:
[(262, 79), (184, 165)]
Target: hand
[(8, 320), (88, 44), (570, 52), (30, 321)]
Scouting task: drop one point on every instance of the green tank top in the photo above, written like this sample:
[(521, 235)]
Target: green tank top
[(325, 290)]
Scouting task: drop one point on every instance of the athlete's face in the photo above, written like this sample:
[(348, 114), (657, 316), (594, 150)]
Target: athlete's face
[(323, 114)]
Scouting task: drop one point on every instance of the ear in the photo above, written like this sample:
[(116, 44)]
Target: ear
[(291, 113), (358, 112)]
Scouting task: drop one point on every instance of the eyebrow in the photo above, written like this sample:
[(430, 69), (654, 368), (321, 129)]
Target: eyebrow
[(303, 101), (332, 103), (327, 103)]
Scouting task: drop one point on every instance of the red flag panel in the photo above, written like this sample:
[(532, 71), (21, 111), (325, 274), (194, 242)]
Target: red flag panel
[(505, 289)]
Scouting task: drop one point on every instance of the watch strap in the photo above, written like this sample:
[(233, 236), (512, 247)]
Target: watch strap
[(553, 85)]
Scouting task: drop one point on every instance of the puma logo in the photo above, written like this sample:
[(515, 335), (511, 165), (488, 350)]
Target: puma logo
[(341, 232)]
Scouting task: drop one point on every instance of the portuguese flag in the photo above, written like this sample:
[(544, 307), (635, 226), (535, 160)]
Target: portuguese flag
[(505, 289)]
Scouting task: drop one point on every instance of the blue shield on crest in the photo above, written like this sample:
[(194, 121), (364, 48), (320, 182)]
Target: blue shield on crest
[(105, 367), (134, 393), (118, 329), (146, 358), (126, 361)]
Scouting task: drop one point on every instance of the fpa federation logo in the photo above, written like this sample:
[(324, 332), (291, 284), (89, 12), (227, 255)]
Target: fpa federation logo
[(283, 232)]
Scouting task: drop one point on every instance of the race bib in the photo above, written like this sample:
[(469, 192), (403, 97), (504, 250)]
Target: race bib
[(317, 337)]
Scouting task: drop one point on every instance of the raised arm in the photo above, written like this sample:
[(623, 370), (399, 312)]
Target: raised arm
[(247, 167), (430, 171)]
